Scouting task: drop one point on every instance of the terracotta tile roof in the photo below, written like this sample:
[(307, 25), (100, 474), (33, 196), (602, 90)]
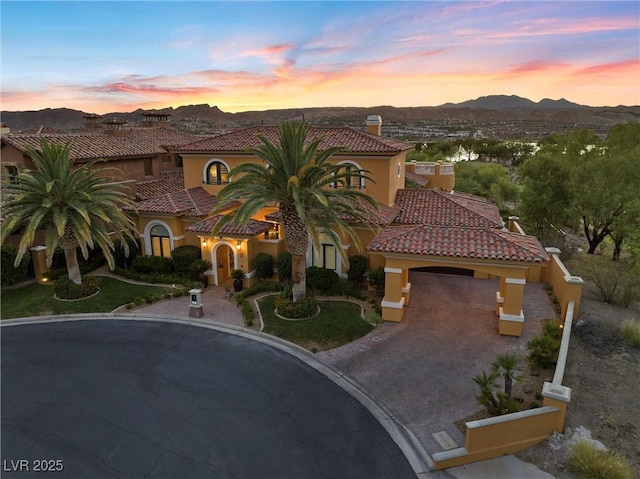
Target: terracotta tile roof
[(94, 145), (41, 130), (252, 228), (169, 182), (195, 202), (431, 207), (353, 140), (459, 242), (382, 217), (420, 180)]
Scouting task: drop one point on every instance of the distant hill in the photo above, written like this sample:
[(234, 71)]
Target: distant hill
[(477, 112)]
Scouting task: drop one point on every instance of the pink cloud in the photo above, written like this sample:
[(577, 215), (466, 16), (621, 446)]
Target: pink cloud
[(627, 67)]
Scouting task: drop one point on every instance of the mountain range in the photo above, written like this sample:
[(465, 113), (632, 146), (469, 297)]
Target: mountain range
[(486, 108)]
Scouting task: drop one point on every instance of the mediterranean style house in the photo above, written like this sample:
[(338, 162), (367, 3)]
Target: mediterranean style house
[(175, 178), (429, 227)]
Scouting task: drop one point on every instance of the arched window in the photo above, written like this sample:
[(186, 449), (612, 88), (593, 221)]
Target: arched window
[(217, 173), (160, 241), (353, 177)]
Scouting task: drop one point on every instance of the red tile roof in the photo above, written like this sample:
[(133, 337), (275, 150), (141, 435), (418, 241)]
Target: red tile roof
[(351, 139), (381, 217), (88, 146), (459, 242), (194, 202), (170, 181), (420, 180), (441, 208), (252, 228)]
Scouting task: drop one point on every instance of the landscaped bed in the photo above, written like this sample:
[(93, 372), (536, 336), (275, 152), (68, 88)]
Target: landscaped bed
[(37, 299), (338, 323)]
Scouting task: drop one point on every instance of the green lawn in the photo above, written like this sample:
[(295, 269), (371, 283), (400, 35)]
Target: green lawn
[(338, 323), (37, 299)]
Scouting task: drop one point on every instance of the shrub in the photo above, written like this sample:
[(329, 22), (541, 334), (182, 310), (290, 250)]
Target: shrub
[(543, 351), (373, 317), (497, 403), (357, 268), (264, 265), (615, 282), (149, 278), (590, 462), (198, 267), (284, 266), (344, 287), (304, 308), (630, 331), (552, 328), (376, 279), (119, 256), (183, 257), (323, 280), (257, 289), (11, 274), (152, 265), (67, 289)]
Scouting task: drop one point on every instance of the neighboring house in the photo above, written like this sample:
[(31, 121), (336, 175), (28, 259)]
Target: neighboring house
[(140, 153), (415, 228)]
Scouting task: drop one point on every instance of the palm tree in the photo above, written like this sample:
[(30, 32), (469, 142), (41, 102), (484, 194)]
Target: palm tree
[(507, 365), (74, 206), (297, 179)]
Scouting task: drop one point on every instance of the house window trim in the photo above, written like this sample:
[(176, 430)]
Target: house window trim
[(12, 174), (147, 236), (361, 185), (207, 166)]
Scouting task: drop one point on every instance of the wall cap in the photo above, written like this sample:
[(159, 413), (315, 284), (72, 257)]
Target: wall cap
[(37, 248), (574, 280), (556, 391), (552, 250), (539, 411)]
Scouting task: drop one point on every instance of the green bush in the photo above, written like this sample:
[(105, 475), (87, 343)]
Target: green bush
[(344, 287), (357, 268), (258, 288), (590, 462), (263, 263), (119, 256), (183, 257), (152, 265), (66, 289), (552, 328), (373, 317), (615, 282), (304, 308), (376, 279), (630, 331), (543, 351), (150, 278), (11, 274), (323, 280), (284, 266)]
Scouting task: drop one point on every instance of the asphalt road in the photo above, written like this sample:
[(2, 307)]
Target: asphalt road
[(134, 399)]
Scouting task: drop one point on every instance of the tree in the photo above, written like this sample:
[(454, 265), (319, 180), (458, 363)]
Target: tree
[(76, 207), (546, 197), (297, 179), (507, 365)]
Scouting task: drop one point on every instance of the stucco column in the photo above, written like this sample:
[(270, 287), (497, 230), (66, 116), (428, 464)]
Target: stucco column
[(500, 296), (511, 317), (39, 258), (558, 396), (406, 289), (393, 301)]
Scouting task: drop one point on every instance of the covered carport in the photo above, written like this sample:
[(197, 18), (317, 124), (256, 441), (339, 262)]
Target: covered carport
[(489, 253)]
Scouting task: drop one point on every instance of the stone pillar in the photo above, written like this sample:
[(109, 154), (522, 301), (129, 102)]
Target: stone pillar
[(393, 301), (195, 303), (39, 258), (511, 317)]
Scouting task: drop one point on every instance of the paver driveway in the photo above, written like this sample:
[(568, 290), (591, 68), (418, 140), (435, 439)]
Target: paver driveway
[(137, 399), (421, 368)]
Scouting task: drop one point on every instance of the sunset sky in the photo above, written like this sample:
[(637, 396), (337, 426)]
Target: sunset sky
[(102, 57)]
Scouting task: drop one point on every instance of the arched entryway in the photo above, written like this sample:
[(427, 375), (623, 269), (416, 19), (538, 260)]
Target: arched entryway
[(224, 260)]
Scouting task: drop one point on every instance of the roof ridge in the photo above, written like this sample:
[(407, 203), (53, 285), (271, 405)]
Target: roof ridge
[(451, 196)]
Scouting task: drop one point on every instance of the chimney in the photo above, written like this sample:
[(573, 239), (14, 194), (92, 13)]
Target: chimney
[(153, 119), (115, 126), (374, 124), (92, 121)]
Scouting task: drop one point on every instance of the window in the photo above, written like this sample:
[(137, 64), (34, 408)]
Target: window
[(148, 167), (352, 179), (160, 242), (327, 258), (217, 174), (12, 174)]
